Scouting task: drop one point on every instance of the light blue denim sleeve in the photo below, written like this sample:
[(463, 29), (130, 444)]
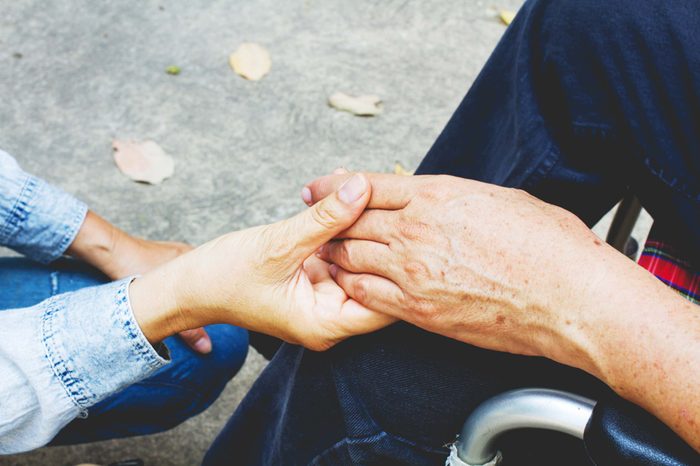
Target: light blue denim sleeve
[(36, 219), (62, 356)]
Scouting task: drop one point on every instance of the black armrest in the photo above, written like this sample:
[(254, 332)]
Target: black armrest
[(622, 434)]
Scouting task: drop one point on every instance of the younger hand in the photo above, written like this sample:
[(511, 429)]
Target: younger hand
[(265, 279)]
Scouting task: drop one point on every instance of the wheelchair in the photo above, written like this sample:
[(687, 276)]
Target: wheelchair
[(614, 431)]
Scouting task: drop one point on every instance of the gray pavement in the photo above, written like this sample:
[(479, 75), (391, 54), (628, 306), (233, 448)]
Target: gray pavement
[(93, 71)]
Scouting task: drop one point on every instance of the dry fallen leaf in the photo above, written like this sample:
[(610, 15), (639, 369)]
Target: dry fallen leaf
[(252, 61), (363, 105), (400, 170), (506, 16), (143, 161)]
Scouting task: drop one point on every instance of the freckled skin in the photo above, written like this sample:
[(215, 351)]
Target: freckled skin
[(499, 269)]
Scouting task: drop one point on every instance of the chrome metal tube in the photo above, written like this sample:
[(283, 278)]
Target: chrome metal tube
[(536, 408)]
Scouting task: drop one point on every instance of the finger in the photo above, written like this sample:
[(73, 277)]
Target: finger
[(373, 225), (198, 340), (359, 256), (373, 292), (306, 195), (390, 192), (319, 223), (317, 269), (356, 319)]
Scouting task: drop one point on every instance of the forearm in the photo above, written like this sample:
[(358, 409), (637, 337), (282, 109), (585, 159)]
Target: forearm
[(194, 290), (62, 356), (36, 219), (644, 341), (664, 376), (96, 244), (154, 300), (499, 269)]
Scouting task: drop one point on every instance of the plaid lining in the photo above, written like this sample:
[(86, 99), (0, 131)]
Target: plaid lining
[(662, 259)]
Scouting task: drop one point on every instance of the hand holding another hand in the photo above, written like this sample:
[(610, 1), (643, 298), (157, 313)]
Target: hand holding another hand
[(265, 279), (486, 265), (502, 270)]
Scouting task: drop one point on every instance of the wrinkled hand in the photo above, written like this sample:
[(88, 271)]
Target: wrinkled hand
[(486, 265), (267, 279)]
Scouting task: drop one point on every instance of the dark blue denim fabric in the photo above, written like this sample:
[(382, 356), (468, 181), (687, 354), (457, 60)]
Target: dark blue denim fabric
[(176, 392), (581, 101)]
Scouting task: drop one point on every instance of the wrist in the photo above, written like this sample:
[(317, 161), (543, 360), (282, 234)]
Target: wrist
[(96, 242), (156, 305), (590, 304), (607, 315)]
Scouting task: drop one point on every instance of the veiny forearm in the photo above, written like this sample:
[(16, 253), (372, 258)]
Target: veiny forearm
[(645, 341)]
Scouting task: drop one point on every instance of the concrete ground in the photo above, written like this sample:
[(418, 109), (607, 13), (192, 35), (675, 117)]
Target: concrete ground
[(76, 74)]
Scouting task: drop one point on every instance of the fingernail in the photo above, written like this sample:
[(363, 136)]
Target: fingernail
[(203, 345), (353, 189), (333, 270), (306, 195)]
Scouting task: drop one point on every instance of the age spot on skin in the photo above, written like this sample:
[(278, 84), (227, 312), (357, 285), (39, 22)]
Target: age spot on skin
[(500, 319), (597, 242)]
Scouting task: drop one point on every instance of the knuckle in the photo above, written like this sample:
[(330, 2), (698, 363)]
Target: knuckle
[(415, 269), (324, 216), (413, 230), (345, 254), (443, 180), (360, 289), (431, 193), (438, 187)]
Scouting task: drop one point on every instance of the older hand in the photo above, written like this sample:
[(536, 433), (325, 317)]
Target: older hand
[(265, 279), (486, 265), (500, 269)]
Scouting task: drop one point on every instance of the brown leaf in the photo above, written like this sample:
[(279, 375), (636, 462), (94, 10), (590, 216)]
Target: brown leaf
[(143, 161), (363, 105), (250, 60)]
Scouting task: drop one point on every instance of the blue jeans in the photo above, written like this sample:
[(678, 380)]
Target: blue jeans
[(582, 101), (180, 390)]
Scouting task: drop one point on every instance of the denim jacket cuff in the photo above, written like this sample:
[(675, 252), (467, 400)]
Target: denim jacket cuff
[(94, 344), (36, 218)]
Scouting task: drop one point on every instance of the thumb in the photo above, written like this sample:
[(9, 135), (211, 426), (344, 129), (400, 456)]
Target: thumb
[(324, 220), (197, 339)]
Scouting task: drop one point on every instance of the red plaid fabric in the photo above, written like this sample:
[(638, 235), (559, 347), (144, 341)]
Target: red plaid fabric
[(664, 261)]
